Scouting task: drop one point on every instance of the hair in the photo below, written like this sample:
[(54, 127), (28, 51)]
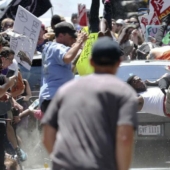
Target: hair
[(6, 51), (6, 20), (74, 15), (55, 20), (11, 164), (130, 79)]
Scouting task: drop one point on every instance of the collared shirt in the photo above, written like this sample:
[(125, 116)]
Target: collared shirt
[(54, 71)]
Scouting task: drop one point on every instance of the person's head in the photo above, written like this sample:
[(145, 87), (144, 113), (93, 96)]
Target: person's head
[(120, 23), (7, 23), (134, 20), (41, 35), (6, 56), (106, 55), (126, 21), (65, 33), (114, 26), (74, 18), (137, 83), (55, 20), (125, 34), (11, 164)]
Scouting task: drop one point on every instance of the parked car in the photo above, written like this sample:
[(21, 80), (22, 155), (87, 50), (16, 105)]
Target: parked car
[(34, 74)]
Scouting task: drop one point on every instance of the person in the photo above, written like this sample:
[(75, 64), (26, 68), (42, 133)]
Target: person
[(74, 20), (4, 86), (125, 42), (57, 61), (151, 100), (90, 123), (120, 24), (41, 39)]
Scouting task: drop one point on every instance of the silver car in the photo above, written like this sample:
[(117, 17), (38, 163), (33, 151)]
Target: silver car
[(152, 138)]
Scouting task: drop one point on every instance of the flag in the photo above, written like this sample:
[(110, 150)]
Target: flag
[(36, 7)]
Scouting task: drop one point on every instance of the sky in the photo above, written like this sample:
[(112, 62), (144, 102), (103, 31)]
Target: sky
[(65, 8)]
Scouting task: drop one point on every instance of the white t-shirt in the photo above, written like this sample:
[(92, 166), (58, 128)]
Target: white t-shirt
[(153, 101)]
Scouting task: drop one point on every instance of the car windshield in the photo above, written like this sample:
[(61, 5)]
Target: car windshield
[(145, 72)]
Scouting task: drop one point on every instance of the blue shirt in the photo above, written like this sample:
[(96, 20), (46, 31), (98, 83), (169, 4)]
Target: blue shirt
[(54, 71)]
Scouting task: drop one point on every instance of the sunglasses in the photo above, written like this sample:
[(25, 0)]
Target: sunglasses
[(133, 22)]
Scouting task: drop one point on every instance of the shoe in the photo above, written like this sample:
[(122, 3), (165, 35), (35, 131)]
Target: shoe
[(21, 154), (166, 20)]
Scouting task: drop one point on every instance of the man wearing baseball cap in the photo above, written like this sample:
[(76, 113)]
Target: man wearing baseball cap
[(57, 58), (90, 122)]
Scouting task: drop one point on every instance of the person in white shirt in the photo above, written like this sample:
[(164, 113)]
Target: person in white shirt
[(150, 100)]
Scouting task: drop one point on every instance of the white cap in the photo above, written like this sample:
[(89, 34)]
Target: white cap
[(120, 21)]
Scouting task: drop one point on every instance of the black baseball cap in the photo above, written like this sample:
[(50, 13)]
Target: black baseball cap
[(65, 27), (106, 51)]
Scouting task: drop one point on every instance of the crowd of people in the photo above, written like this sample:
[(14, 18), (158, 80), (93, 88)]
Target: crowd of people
[(87, 123)]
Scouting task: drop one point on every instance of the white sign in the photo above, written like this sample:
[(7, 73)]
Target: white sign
[(148, 130), (29, 26), (151, 31), (161, 8), (143, 22)]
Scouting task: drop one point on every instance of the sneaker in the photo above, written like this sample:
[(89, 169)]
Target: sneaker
[(21, 154), (166, 20)]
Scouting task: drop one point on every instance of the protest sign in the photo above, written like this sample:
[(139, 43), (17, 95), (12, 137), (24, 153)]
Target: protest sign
[(29, 26), (160, 8), (82, 15), (151, 30), (153, 19), (143, 22), (83, 65)]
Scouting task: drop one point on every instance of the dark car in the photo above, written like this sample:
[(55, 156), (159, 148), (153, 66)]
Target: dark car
[(152, 138), (34, 74)]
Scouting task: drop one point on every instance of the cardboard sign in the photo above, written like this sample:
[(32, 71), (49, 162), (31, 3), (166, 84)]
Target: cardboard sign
[(151, 30), (29, 26), (83, 65), (82, 15), (160, 8), (143, 22)]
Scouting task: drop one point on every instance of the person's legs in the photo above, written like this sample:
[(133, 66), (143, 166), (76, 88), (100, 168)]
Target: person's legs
[(94, 17), (13, 140), (2, 137)]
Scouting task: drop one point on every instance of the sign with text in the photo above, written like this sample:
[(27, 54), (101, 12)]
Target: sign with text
[(28, 26), (151, 30), (143, 22), (160, 8), (83, 65)]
